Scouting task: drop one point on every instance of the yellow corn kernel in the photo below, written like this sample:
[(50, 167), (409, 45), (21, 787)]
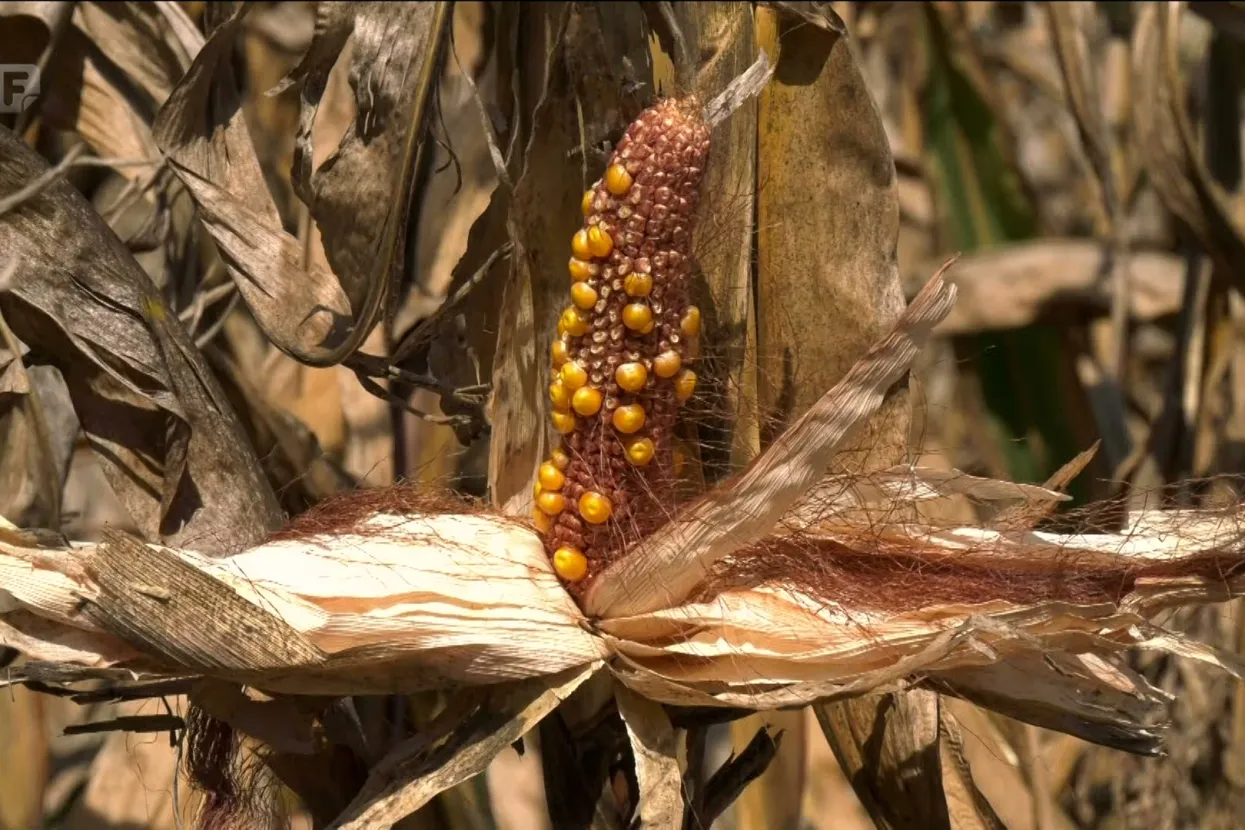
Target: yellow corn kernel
[(559, 396), (587, 401), (667, 364), (636, 316), (570, 564), (586, 204), (551, 503), (583, 295), (563, 422), (559, 459), (559, 353), (574, 322), (629, 418), (579, 245), (617, 180), (690, 324), (631, 376), (542, 520), (641, 451), (637, 284), (594, 508), (649, 328), (599, 241), (684, 385), (573, 375), (537, 489), (550, 477), (581, 270)]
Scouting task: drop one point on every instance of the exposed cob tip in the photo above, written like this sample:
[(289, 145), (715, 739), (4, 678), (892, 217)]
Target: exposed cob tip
[(619, 360)]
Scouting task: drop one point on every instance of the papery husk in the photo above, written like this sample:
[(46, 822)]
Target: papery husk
[(436, 601), (399, 595)]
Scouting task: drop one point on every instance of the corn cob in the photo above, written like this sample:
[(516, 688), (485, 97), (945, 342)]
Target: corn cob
[(620, 360)]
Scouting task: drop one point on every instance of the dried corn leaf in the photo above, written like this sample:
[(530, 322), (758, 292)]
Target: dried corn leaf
[(414, 774), (110, 66), (888, 747), (38, 430), (359, 196), (1077, 694), (315, 316), (966, 806), (1015, 285), (654, 743), (827, 184), (163, 432), (1168, 146)]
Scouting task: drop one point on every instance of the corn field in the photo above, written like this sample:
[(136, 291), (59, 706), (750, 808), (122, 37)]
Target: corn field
[(491, 416)]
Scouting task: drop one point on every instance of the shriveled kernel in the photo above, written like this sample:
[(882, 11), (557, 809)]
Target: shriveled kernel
[(570, 564), (579, 245), (559, 459), (573, 375), (563, 422), (637, 284), (587, 401), (574, 322), (641, 451), (583, 295), (600, 243), (636, 316), (550, 477), (559, 396), (667, 364), (551, 503), (581, 270), (585, 204), (631, 376), (559, 353), (542, 520), (684, 385), (629, 418), (595, 508), (690, 324), (617, 180)]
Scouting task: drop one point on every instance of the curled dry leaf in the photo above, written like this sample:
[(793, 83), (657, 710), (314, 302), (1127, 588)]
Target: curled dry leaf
[(311, 314), (163, 433)]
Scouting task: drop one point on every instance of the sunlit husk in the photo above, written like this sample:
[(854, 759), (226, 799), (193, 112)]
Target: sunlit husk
[(450, 599), (445, 599)]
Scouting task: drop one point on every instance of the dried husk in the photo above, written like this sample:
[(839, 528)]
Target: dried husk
[(439, 599)]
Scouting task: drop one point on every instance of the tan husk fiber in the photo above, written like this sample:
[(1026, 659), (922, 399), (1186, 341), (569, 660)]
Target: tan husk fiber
[(362, 600)]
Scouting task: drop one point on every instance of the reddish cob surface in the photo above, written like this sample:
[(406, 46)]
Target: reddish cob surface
[(621, 360)]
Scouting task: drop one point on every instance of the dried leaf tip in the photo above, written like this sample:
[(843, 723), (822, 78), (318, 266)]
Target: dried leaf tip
[(747, 85), (624, 342)]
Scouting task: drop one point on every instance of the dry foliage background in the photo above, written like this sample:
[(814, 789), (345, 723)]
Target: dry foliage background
[(1084, 157)]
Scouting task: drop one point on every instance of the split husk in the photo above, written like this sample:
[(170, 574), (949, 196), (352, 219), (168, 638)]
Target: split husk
[(398, 594)]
